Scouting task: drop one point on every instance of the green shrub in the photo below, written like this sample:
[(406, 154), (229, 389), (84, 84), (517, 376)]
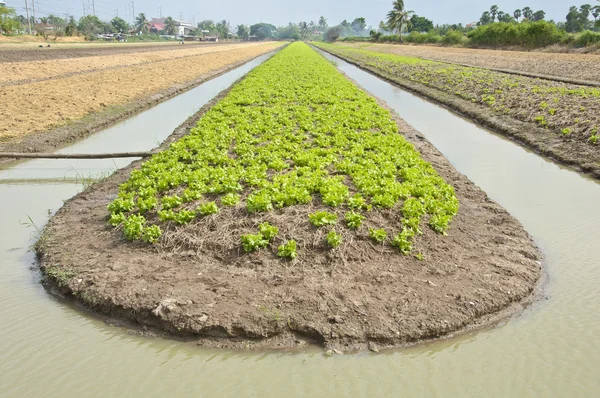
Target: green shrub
[(453, 38), (586, 39), (526, 34)]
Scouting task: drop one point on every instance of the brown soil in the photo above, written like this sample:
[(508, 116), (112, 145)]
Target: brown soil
[(573, 150), (59, 50), (41, 106), (360, 297), (572, 66), (30, 71)]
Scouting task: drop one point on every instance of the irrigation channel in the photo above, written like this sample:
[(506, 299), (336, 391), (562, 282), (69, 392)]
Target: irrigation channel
[(49, 348)]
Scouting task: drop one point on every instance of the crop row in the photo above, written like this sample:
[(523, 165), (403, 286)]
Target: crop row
[(294, 132), (569, 110)]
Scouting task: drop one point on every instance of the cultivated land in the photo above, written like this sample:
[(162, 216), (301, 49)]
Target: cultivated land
[(297, 209), (570, 66), (558, 120), (81, 94)]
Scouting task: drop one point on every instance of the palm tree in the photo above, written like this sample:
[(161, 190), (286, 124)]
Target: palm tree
[(527, 13), (494, 12), (303, 29), (170, 26), (141, 23), (322, 24), (398, 17), (596, 12), (517, 14)]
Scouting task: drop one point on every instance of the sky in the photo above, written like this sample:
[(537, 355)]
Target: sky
[(283, 11)]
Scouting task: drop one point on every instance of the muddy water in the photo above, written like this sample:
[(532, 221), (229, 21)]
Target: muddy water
[(49, 348)]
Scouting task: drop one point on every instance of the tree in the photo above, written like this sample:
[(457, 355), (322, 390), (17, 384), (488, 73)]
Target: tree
[(141, 23), (517, 14), (398, 17), (207, 25), (243, 31), (8, 20), (332, 34), (290, 32), (262, 30), (120, 25), (505, 17), (322, 24), (527, 13), (420, 24), (71, 27), (596, 13), (485, 19), (494, 12), (223, 29), (92, 25), (538, 15), (171, 26), (359, 25)]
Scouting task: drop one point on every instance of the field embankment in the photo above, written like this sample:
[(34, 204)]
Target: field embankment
[(558, 120), (78, 95), (570, 66), (297, 209)]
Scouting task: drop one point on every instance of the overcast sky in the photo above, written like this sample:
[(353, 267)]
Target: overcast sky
[(280, 12)]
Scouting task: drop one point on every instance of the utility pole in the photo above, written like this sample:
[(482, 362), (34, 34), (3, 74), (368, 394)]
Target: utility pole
[(28, 20), (117, 13), (93, 8), (84, 9), (33, 6), (159, 11), (133, 11)]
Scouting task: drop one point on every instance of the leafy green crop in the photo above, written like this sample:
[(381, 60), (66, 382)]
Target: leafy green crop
[(208, 208), (334, 239), (268, 231), (252, 243), (354, 220), (288, 250), (378, 235), (560, 103), (322, 218), (294, 132)]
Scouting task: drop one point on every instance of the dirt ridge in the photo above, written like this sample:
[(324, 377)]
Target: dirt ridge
[(488, 268)]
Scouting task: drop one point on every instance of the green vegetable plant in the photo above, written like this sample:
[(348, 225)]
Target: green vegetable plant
[(288, 250), (268, 231), (294, 132), (354, 220), (252, 242), (334, 239), (322, 218), (208, 209), (378, 235)]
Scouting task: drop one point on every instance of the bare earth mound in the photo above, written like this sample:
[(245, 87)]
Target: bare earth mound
[(356, 299)]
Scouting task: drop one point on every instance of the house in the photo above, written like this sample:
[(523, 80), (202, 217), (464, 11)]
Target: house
[(157, 25), (184, 28)]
